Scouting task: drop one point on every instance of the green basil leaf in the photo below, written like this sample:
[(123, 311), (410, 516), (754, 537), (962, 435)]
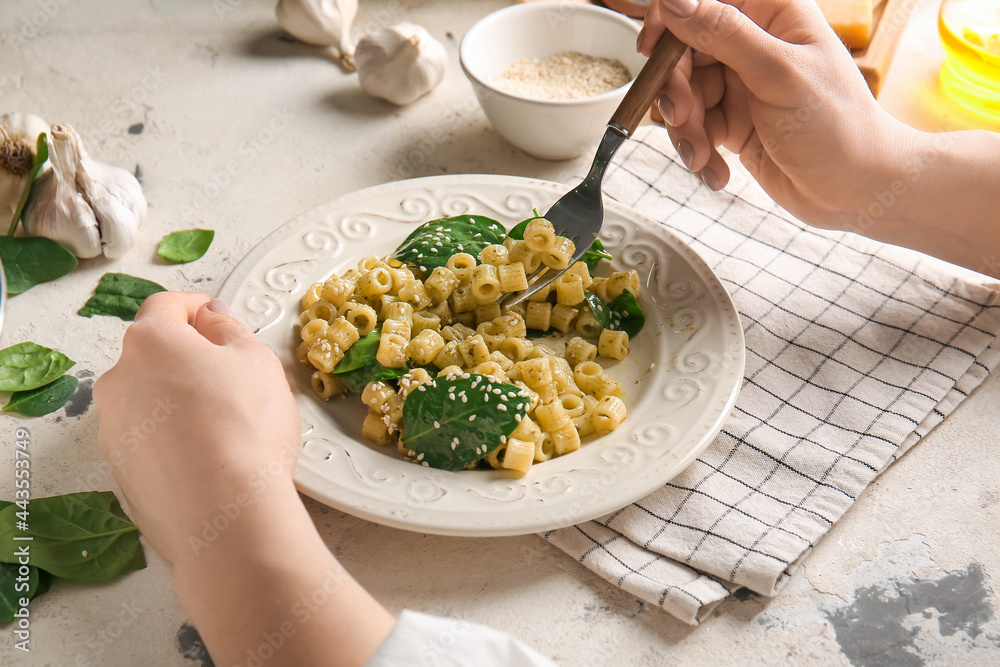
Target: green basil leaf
[(186, 246), (592, 257), (27, 366), (41, 155), (84, 537), (626, 314), (599, 308), (42, 401), (432, 243), (360, 366), (453, 423), (28, 261), (119, 295)]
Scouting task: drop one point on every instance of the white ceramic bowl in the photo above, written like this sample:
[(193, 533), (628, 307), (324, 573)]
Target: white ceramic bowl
[(549, 129)]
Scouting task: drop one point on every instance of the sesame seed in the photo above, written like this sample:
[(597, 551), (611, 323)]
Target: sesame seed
[(437, 425), (465, 399), (425, 464), (472, 418), (420, 456), (453, 445)]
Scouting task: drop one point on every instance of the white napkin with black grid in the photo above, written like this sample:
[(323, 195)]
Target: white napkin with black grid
[(855, 350)]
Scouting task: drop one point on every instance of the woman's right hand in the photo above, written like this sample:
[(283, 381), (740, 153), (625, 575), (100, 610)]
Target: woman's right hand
[(770, 80)]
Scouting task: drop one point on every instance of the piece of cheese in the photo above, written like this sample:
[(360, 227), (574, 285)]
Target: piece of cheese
[(851, 20)]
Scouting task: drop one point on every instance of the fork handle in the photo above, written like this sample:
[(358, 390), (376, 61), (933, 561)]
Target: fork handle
[(650, 81)]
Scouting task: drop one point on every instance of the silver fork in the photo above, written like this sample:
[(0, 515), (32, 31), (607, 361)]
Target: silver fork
[(579, 214)]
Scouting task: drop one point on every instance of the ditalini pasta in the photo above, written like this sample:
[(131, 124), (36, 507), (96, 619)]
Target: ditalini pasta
[(422, 323)]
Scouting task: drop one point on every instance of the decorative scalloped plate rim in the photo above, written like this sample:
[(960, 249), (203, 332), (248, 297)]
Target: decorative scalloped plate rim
[(682, 375)]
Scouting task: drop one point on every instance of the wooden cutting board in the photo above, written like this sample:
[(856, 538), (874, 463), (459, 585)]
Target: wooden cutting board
[(890, 17)]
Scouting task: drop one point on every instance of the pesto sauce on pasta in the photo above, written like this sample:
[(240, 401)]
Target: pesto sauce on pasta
[(449, 378)]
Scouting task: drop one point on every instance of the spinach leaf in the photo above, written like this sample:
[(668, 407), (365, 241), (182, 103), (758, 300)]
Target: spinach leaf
[(626, 314), (42, 401), (41, 155), (12, 590), (623, 313), (359, 365), (83, 537), (599, 308), (119, 295), (186, 246), (28, 261), (27, 366), (517, 231), (452, 423), (432, 243), (31, 586), (594, 254)]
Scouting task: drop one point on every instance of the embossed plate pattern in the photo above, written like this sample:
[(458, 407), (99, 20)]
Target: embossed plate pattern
[(681, 376)]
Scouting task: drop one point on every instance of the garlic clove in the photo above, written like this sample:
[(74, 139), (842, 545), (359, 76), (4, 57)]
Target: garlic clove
[(18, 142), (88, 206), (321, 23), (400, 64), (115, 197), (58, 211)]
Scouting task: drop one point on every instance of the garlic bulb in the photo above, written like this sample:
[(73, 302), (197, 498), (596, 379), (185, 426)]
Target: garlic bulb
[(400, 63), (321, 23), (18, 141), (89, 207)]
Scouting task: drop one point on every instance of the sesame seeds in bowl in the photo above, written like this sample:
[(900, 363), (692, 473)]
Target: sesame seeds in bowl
[(558, 126)]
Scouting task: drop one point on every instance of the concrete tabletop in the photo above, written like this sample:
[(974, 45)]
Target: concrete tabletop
[(232, 126)]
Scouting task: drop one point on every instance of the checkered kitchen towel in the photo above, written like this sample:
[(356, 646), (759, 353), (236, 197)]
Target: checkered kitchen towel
[(855, 350)]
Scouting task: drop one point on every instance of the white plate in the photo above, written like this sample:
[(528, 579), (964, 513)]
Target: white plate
[(681, 377)]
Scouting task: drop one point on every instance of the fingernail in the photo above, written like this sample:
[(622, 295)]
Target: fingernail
[(686, 151), (219, 306), (666, 109), (709, 178), (680, 7), (638, 41)]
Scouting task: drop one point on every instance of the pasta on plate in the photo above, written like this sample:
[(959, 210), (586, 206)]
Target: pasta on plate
[(448, 376)]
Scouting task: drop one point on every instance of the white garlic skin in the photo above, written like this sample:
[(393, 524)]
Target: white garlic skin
[(320, 23), (400, 64), (21, 129), (90, 207)]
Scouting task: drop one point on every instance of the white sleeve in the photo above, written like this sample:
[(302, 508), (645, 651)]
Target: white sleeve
[(419, 639)]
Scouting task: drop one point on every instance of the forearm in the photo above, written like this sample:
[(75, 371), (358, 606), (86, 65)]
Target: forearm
[(941, 196), (268, 586)]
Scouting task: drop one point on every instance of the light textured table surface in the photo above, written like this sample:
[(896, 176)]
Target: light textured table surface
[(235, 129)]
